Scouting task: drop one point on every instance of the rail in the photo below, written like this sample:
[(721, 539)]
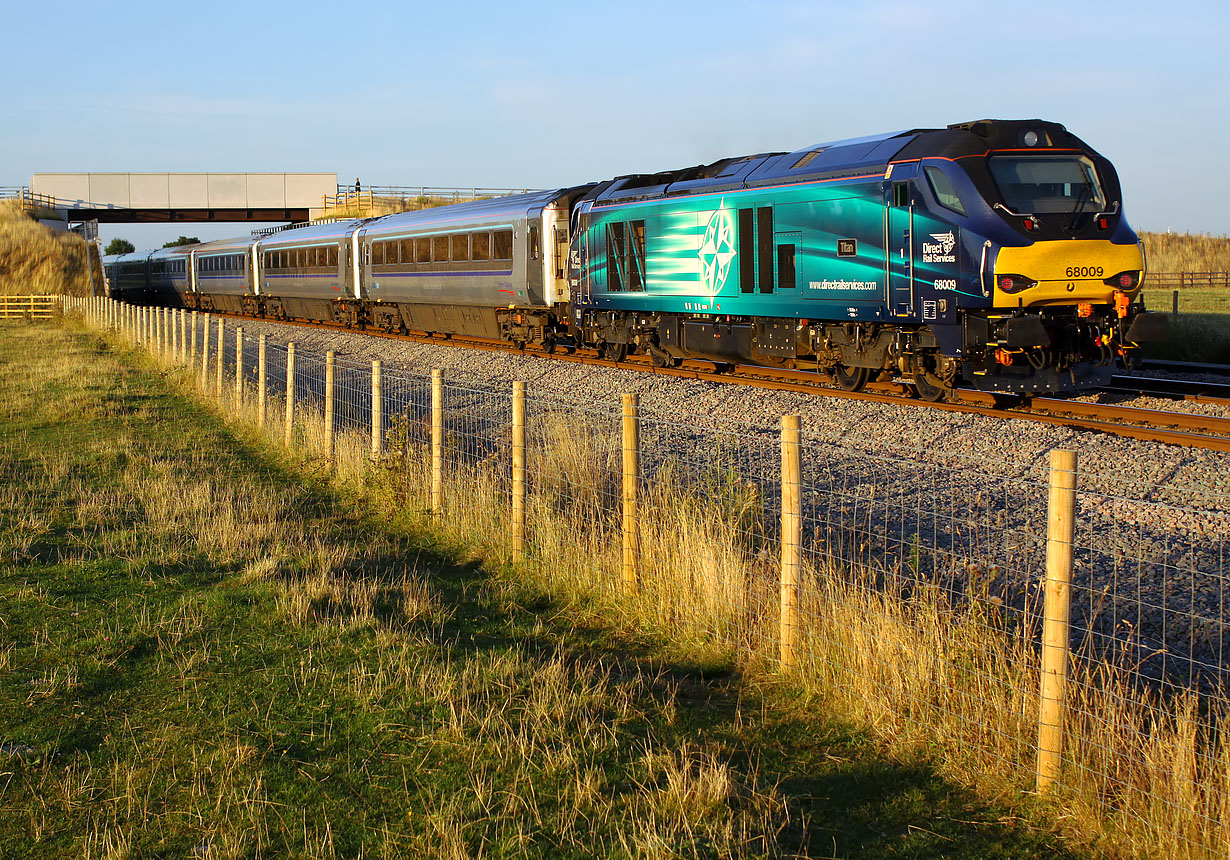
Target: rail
[(29, 308)]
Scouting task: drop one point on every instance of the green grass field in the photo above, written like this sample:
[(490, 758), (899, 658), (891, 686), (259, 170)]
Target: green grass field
[(204, 653)]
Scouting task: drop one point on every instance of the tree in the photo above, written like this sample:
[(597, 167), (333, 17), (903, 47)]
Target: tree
[(183, 240), (119, 246)]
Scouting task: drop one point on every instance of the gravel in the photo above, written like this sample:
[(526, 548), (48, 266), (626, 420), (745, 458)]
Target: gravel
[(946, 496)]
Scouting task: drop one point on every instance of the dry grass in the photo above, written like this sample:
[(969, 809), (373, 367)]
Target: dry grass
[(1187, 252), (951, 675), (389, 206), (35, 260)]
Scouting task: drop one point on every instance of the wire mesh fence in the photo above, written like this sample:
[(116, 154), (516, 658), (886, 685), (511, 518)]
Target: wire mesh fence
[(916, 595)]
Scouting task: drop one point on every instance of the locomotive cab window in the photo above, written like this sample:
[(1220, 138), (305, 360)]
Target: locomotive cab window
[(901, 194), (1041, 184)]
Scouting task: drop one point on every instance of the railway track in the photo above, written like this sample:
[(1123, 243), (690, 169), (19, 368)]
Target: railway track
[(1174, 428), (1180, 389)]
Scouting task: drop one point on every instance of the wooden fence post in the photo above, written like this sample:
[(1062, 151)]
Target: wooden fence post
[(377, 411), (238, 367), (182, 313), (261, 386), (792, 538), (518, 472), (330, 375), (1061, 530), (205, 353), (221, 356), (437, 442), (631, 481), (1174, 312), (192, 341), (289, 433)]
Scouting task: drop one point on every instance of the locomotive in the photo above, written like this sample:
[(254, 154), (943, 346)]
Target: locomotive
[(991, 255)]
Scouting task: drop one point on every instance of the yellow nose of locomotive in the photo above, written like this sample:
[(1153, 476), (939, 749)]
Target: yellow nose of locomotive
[(1066, 272)]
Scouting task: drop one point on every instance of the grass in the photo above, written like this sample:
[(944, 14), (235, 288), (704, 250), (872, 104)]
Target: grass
[(35, 260), (207, 652), (1186, 252), (934, 676)]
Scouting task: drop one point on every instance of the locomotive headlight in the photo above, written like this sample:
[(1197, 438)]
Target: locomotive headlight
[(1124, 280), (1014, 283), (1031, 138)]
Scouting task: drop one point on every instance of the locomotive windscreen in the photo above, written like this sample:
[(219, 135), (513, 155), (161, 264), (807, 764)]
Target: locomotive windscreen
[(1034, 184)]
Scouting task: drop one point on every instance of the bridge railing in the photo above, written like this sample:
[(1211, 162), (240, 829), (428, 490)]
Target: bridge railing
[(368, 197), (26, 198)]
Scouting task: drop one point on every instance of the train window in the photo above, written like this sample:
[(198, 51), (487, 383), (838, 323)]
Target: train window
[(480, 246), (785, 267), (439, 249), (502, 245), (747, 252), (764, 247), (377, 253), (390, 252), (1038, 184), (331, 259), (461, 247), (942, 187), (406, 251), (535, 251), (615, 257), (422, 250), (901, 194)]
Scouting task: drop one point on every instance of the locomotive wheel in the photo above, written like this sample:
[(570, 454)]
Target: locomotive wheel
[(925, 385), (850, 378), (615, 351), (548, 346)]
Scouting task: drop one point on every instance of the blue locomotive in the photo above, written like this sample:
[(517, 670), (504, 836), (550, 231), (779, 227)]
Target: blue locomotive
[(991, 255)]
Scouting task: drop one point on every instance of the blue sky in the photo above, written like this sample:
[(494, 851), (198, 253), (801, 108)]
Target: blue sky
[(551, 94)]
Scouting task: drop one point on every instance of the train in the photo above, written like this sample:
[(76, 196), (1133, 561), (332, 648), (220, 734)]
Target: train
[(991, 255)]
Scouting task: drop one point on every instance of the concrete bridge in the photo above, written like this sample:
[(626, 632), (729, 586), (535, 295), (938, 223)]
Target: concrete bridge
[(160, 197)]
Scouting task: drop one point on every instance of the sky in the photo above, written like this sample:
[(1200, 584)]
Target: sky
[(544, 95)]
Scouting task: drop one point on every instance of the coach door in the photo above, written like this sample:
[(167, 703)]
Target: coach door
[(899, 239), (578, 257)]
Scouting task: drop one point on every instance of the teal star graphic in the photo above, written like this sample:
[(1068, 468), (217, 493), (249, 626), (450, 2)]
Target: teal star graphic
[(716, 251)]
